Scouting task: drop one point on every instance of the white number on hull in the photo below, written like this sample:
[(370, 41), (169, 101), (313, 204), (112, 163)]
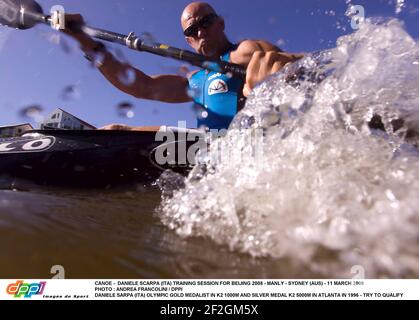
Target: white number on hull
[(40, 144), (18, 146), (4, 147)]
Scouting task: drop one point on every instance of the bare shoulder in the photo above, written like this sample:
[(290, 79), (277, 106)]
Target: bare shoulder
[(190, 74), (247, 48), (257, 45)]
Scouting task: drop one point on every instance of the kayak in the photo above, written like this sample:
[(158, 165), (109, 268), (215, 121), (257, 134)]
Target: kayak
[(89, 157)]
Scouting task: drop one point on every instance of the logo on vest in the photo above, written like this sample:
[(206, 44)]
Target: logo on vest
[(217, 86)]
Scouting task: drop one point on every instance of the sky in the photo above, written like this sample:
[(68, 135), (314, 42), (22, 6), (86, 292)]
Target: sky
[(36, 70)]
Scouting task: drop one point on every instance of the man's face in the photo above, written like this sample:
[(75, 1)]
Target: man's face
[(203, 29)]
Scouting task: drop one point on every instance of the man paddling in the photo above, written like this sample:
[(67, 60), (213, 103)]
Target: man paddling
[(219, 96)]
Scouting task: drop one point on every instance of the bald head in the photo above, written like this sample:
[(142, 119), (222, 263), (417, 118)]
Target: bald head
[(209, 38), (193, 10)]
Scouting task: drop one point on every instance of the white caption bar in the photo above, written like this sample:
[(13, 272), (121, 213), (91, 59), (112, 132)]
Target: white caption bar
[(21, 289)]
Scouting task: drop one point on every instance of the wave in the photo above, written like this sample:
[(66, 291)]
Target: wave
[(332, 182)]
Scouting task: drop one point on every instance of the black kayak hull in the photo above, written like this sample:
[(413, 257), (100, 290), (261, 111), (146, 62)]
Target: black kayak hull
[(84, 158)]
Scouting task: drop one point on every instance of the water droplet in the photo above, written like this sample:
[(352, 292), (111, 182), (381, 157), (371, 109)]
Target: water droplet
[(200, 111), (147, 38), (194, 92), (203, 128), (390, 195), (183, 70), (350, 12), (212, 65), (125, 109), (119, 54), (400, 4), (280, 42), (70, 92), (98, 59), (33, 112), (128, 76), (246, 121), (130, 114), (52, 37), (270, 118), (66, 47), (91, 32)]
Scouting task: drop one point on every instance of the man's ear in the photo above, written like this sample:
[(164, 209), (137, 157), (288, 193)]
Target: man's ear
[(223, 25)]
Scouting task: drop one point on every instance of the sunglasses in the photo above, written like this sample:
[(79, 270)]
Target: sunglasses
[(205, 23)]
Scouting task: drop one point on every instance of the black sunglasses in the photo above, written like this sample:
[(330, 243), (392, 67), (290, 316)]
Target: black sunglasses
[(205, 23)]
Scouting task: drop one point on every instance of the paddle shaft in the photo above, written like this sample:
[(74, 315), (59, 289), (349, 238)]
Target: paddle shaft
[(163, 50), (133, 42)]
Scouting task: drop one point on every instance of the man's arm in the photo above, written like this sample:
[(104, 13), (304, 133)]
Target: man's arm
[(165, 88), (261, 60)]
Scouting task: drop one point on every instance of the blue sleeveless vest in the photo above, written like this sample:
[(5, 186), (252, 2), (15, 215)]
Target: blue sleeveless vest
[(216, 96)]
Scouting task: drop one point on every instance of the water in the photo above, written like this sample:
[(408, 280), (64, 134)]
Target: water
[(400, 6), (321, 195), (106, 234), (329, 193)]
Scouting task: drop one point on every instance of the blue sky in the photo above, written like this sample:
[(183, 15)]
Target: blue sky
[(35, 70)]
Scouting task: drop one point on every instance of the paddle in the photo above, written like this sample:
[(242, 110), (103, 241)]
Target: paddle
[(24, 14)]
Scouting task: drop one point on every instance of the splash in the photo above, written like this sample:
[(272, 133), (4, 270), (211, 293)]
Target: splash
[(338, 181), (400, 5)]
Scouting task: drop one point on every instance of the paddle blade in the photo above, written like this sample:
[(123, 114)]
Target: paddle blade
[(20, 14)]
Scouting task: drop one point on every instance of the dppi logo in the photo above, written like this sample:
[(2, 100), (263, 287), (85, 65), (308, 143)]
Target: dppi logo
[(27, 290)]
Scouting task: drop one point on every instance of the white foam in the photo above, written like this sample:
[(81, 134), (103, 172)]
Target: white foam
[(329, 193)]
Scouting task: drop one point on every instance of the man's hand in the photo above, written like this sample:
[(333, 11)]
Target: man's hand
[(263, 64), (73, 24)]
